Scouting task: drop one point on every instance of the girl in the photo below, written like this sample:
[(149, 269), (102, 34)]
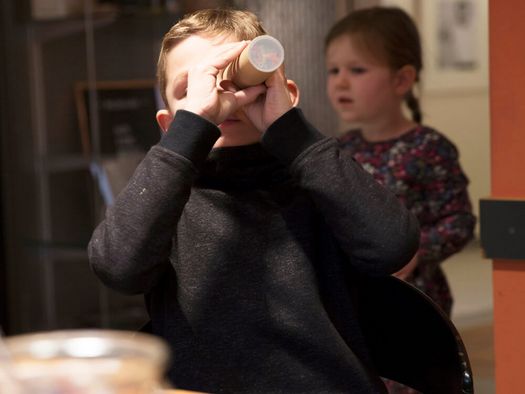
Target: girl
[(373, 58)]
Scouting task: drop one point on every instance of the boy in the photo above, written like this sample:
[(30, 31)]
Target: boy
[(246, 252)]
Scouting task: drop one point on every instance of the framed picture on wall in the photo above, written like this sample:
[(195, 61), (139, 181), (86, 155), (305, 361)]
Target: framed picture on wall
[(455, 44), (454, 36), (117, 116)]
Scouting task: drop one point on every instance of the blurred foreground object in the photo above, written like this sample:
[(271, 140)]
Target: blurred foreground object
[(86, 362)]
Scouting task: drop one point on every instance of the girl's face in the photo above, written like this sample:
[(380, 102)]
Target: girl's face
[(360, 88)]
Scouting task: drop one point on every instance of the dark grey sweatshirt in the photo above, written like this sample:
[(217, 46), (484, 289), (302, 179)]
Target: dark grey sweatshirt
[(247, 255)]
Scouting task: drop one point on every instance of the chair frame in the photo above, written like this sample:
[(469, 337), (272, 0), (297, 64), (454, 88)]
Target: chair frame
[(410, 339)]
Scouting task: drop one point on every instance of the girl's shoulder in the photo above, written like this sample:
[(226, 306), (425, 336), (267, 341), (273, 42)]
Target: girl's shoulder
[(433, 148), (421, 138), (428, 138)]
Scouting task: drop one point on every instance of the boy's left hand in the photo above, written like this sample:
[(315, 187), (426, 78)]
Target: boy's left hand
[(272, 105)]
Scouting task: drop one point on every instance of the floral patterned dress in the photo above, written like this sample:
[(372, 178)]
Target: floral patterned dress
[(422, 168)]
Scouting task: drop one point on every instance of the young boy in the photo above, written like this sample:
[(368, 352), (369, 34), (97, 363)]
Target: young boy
[(244, 227)]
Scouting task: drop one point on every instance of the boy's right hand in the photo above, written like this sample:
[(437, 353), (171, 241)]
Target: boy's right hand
[(205, 98)]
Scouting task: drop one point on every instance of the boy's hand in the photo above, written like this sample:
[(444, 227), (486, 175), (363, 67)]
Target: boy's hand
[(271, 106), (204, 97)]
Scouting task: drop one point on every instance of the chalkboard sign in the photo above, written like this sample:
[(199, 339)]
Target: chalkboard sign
[(126, 116)]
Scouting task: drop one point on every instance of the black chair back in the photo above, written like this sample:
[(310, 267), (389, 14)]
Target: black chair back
[(411, 340)]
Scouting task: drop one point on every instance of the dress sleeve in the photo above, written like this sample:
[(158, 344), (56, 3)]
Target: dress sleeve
[(445, 211), (373, 228), (130, 249)]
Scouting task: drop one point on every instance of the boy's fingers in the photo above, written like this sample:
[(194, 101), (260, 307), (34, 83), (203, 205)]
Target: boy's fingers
[(217, 60), (276, 77), (249, 95), (227, 53), (228, 86)]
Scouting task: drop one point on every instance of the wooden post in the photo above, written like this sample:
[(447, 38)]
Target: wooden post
[(507, 101)]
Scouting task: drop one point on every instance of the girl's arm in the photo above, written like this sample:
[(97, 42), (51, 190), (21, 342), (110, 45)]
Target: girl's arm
[(445, 212)]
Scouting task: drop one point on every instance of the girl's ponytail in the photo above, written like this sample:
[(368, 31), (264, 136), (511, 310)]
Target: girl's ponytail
[(414, 107)]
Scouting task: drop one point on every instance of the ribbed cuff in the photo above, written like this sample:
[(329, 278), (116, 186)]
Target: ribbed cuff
[(290, 135), (191, 136)]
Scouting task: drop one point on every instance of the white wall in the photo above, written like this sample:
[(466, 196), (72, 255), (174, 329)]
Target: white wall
[(456, 101), (465, 118)]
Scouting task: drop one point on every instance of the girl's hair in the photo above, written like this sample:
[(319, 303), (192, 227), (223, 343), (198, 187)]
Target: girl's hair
[(242, 25), (388, 34)]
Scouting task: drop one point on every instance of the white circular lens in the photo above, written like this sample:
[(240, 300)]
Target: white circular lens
[(266, 53)]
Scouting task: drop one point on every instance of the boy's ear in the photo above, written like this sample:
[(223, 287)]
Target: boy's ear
[(294, 91), (164, 119), (405, 79)]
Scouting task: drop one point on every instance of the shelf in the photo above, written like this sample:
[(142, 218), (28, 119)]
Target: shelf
[(63, 201), (71, 162), (44, 30), (48, 29), (59, 251)]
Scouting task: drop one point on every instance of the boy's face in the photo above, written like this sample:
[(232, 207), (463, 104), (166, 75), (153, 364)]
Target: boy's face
[(360, 88), (180, 59)]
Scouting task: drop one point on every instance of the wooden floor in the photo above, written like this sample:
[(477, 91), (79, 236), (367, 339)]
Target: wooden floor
[(480, 347), (470, 277)]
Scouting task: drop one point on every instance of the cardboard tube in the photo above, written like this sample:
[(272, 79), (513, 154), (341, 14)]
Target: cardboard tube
[(256, 62)]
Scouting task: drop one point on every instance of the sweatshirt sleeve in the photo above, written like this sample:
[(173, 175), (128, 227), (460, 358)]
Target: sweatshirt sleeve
[(373, 228), (445, 213), (130, 248)]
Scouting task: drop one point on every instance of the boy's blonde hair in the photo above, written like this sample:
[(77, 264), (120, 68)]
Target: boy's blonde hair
[(243, 25)]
